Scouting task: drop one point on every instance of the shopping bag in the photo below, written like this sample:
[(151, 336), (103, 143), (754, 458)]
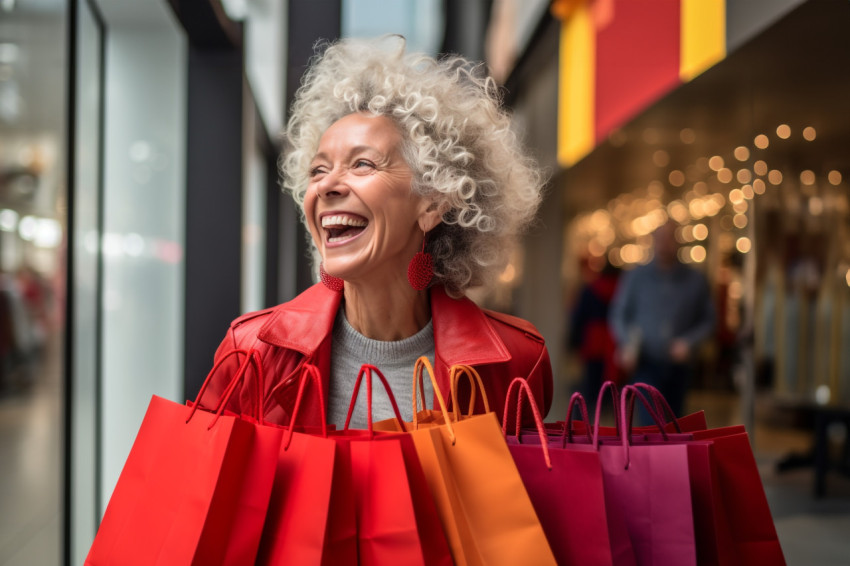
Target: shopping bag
[(397, 521), (566, 489), (297, 520), (195, 486), (484, 507), (651, 484), (732, 519), (742, 502)]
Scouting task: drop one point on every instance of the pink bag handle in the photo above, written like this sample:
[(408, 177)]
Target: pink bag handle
[(474, 379), (367, 369), (251, 359), (615, 400), (662, 407), (309, 372), (520, 385), (577, 399), (422, 365), (627, 398)]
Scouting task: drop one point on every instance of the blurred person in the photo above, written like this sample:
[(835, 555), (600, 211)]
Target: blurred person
[(590, 334), (414, 188), (660, 314)]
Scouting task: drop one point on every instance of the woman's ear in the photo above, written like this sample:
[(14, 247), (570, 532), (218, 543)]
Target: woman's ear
[(432, 216)]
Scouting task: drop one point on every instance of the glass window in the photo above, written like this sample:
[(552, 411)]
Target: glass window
[(33, 59)]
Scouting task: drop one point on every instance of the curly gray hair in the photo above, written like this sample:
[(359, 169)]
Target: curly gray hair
[(458, 142)]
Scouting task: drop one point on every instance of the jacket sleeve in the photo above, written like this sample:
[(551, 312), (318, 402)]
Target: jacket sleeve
[(540, 381), (529, 359)]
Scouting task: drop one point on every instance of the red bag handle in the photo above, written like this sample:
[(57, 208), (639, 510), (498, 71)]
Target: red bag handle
[(252, 358), (577, 399), (520, 385), (367, 369), (309, 372)]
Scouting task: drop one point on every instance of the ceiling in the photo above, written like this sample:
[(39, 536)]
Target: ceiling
[(797, 72)]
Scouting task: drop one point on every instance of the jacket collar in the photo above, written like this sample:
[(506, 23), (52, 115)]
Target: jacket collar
[(463, 333)]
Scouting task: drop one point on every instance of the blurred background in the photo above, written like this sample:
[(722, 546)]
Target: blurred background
[(140, 212)]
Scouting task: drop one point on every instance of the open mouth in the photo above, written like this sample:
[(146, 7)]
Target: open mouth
[(341, 227)]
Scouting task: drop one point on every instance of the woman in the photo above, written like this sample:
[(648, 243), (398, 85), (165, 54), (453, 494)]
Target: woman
[(413, 188)]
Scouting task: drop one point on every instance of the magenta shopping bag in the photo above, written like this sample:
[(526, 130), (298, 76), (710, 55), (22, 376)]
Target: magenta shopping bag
[(651, 484), (566, 489)]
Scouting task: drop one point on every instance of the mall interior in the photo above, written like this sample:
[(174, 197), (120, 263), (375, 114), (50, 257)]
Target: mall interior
[(141, 212)]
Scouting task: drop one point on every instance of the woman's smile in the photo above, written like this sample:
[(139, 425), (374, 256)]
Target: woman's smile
[(342, 227)]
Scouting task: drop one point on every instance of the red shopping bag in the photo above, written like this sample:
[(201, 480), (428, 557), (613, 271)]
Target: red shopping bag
[(743, 505), (566, 489), (297, 528), (195, 486), (397, 521)]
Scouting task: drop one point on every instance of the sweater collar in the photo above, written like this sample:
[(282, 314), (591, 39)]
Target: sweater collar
[(463, 333)]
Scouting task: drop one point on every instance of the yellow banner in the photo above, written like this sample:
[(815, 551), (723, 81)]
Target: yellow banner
[(576, 112), (703, 36)]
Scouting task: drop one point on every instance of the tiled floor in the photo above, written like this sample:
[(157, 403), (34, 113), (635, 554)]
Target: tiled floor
[(812, 531)]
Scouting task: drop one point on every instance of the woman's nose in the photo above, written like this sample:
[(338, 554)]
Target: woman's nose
[(331, 185)]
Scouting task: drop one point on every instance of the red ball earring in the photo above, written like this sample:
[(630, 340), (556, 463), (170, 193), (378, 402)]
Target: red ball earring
[(420, 271), (329, 281)]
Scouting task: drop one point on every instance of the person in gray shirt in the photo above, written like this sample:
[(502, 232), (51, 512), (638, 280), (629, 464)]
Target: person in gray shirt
[(660, 314)]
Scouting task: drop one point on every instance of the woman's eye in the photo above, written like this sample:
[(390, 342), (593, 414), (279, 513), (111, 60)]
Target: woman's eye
[(318, 170), (361, 163)]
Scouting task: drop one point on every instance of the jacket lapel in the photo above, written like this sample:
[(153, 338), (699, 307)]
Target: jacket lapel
[(304, 322), (463, 333)]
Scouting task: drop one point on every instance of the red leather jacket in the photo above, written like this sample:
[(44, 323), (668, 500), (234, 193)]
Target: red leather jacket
[(499, 346)]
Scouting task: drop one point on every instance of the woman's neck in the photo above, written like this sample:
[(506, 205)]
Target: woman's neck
[(386, 312)]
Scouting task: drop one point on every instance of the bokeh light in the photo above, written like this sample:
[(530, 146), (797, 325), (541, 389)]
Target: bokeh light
[(742, 153)]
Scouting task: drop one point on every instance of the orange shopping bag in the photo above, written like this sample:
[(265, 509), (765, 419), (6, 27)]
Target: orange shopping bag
[(483, 505)]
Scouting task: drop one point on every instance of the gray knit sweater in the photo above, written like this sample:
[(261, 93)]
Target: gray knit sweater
[(350, 350)]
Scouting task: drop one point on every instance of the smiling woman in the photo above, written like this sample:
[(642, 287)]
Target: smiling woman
[(413, 187)]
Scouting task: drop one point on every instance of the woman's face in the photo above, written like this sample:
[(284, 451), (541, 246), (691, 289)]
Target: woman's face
[(359, 206)]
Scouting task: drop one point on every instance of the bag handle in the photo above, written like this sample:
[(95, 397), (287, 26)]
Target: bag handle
[(520, 385), (627, 399), (615, 400), (367, 369), (309, 372), (423, 364), (474, 379), (252, 358), (576, 400), (662, 407)]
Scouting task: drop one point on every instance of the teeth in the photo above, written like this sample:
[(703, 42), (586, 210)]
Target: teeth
[(342, 220)]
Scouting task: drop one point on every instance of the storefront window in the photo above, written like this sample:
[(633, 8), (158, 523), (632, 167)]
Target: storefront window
[(33, 205)]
